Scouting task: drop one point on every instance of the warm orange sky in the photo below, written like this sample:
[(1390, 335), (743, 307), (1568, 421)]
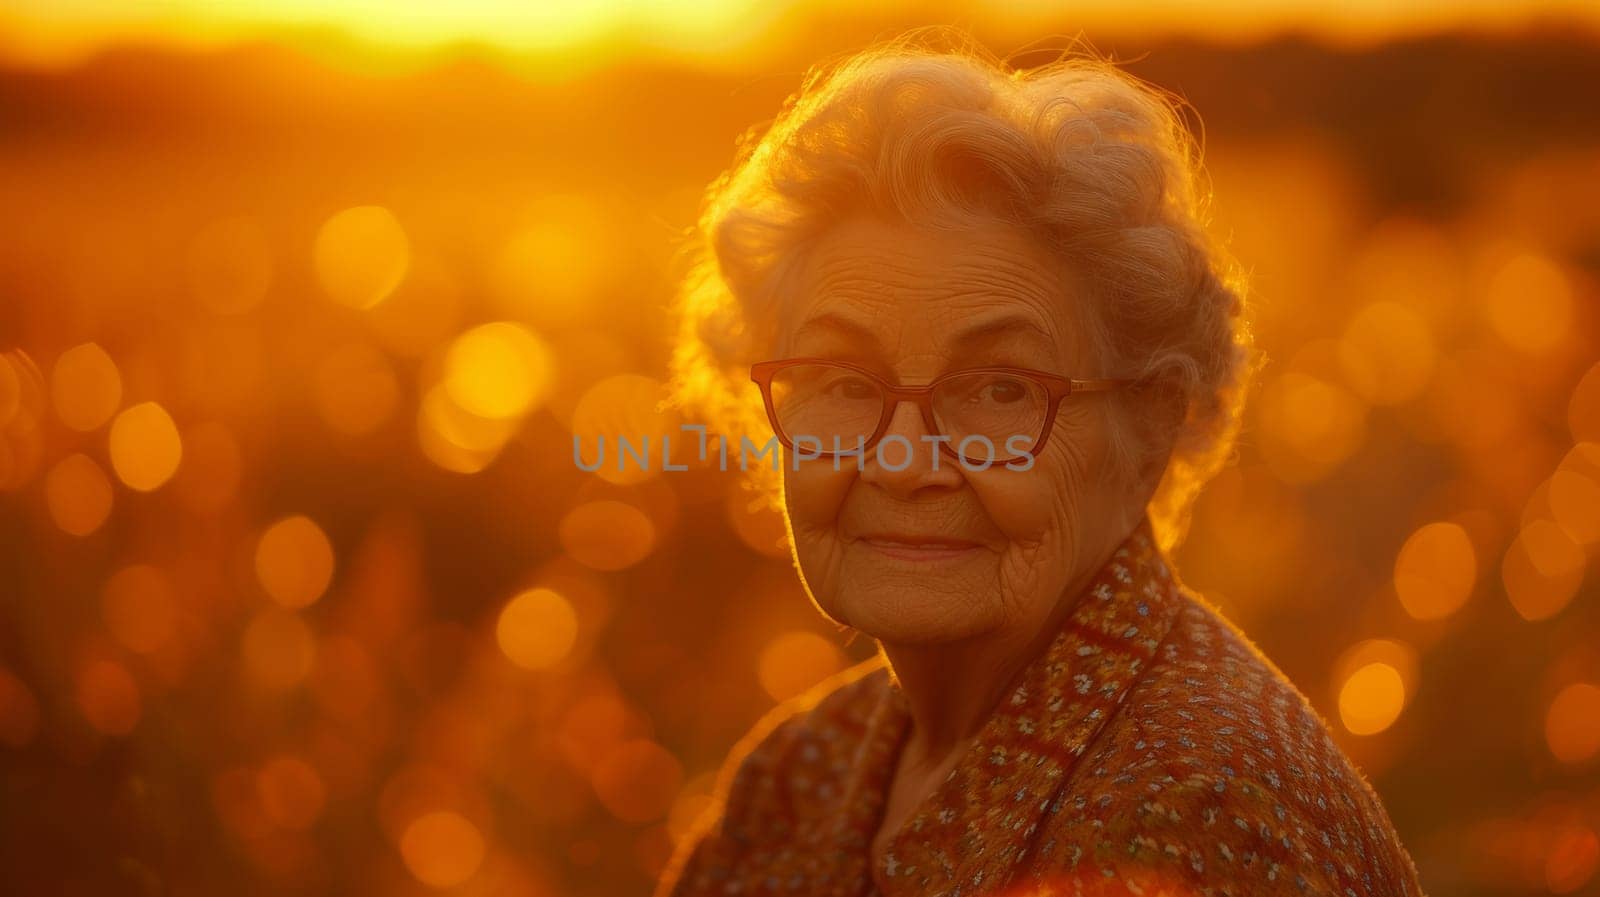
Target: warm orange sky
[(57, 31)]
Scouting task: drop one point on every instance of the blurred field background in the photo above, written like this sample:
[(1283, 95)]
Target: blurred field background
[(301, 307)]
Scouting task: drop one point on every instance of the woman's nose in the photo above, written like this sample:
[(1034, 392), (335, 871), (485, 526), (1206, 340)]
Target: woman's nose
[(908, 458)]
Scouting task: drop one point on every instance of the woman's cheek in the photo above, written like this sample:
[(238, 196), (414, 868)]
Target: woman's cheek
[(1023, 504), (814, 495)]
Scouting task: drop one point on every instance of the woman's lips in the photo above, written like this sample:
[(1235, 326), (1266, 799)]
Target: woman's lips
[(927, 549)]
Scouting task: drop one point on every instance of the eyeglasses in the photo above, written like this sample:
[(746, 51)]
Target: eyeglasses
[(989, 415)]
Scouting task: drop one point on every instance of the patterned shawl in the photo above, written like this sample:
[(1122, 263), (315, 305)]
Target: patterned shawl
[(1150, 749)]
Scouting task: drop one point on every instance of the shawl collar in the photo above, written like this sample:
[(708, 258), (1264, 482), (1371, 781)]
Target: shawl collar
[(970, 835)]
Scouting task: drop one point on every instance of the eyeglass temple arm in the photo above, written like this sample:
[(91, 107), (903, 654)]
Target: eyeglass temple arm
[(1100, 385)]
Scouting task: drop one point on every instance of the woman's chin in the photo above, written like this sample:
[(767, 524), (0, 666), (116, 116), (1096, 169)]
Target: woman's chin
[(913, 617)]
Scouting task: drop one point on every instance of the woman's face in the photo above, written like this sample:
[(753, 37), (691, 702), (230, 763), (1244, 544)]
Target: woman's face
[(920, 555)]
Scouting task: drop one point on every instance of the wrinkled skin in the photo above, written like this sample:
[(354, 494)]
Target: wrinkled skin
[(913, 303)]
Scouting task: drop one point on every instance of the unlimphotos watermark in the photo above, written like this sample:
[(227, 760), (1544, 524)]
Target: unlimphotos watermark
[(975, 452)]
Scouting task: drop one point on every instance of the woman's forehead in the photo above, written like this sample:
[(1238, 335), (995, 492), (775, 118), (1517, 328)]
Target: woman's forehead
[(876, 286)]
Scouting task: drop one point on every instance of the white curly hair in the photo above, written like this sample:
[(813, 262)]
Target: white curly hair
[(1093, 163)]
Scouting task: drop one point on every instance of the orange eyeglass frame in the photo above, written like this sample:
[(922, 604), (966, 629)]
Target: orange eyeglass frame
[(1057, 388)]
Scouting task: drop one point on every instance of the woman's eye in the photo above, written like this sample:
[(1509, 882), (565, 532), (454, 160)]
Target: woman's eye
[(852, 388), (1005, 392)]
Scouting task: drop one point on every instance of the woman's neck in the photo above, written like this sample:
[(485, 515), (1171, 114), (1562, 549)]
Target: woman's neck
[(952, 688)]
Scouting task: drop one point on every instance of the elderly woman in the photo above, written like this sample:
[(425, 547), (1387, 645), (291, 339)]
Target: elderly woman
[(1002, 357)]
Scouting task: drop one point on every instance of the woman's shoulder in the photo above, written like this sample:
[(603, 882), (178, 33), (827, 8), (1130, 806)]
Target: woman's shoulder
[(790, 758), (1210, 680), (1219, 767), (1207, 669), (800, 741), (831, 714)]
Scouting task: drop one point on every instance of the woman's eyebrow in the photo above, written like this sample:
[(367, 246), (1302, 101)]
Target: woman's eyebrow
[(1004, 330), (830, 324)]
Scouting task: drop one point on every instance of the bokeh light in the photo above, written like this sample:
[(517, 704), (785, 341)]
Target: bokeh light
[(536, 629), (1371, 699), (442, 849), (1387, 353), (1574, 495), (1309, 426), (794, 661), (607, 535), (1542, 570), (694, 800), (145, 446), (1435, 571), (79, 495), (758, 523), (1528, 302), (497, 371), (1375, 679), (294, 561), (361, 255), (620, 424), (1572, 860), (1572, 724), (85, 387)]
